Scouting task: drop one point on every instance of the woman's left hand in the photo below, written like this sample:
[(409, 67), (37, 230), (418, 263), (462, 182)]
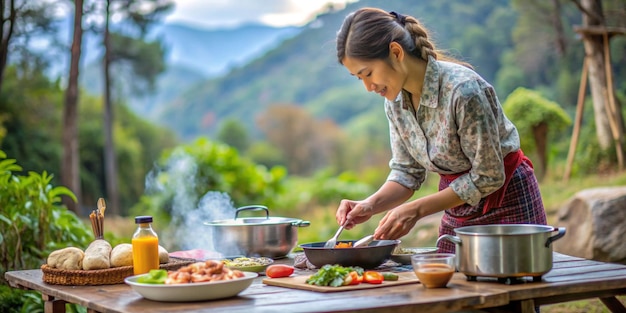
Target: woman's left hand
[(397, 222)]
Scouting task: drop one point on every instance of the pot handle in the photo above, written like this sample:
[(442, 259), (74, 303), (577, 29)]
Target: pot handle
[(453, 239), (301, 223), (254, 207), (561, 233)]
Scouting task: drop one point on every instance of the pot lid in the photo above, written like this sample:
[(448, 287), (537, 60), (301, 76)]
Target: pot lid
[(251, 221)]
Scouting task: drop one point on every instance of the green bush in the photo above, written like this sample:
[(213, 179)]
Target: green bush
[(10, 299), (528, 108), (33, 222)]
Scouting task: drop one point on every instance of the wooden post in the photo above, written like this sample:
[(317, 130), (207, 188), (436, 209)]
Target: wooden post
[(611, 106), (613, 113), (577, 122)]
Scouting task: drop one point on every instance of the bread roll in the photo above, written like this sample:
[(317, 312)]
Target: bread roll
[(164, 256), (70, 258), (122, 255), (97, 255)]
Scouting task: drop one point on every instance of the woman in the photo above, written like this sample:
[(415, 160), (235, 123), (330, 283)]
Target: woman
[(443, 118)]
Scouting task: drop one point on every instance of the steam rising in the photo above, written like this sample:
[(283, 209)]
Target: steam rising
[(187, 230)]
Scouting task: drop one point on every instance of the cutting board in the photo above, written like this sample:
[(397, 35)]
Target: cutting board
[(299, 282)]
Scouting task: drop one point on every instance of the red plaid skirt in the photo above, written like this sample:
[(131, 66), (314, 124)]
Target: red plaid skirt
[(522, 204)]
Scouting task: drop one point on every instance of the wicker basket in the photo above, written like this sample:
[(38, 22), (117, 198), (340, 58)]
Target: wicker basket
[(109, 276)]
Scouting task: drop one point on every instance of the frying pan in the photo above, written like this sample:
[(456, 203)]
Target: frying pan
[(367, 257)]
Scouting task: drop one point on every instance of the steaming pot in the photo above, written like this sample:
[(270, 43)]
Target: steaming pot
[(504, 250), (267, 236)]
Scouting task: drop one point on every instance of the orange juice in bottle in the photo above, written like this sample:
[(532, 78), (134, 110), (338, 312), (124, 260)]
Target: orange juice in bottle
[(145, 246)]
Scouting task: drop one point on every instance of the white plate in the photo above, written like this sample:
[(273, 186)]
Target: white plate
[(192, 291)]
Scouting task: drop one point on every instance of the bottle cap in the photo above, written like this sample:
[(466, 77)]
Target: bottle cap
[(143, 219)]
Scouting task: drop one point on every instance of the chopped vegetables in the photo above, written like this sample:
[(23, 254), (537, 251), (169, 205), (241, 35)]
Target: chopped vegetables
[(373, 277), (389, 276), (353, 278), (336, 276), (344, 245), (332, 275)]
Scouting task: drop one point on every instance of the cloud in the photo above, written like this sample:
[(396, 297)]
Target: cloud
[(227, 13)]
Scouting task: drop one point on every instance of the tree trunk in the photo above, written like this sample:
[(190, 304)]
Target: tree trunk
[(70, 164), (592, 16), (540, 133), (561, 37), (6, 34), (110, 169)]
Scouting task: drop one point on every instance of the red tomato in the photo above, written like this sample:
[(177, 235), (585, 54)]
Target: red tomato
[(373, 277), (279, 270)]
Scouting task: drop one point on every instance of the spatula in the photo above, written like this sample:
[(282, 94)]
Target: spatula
[(364, 241)]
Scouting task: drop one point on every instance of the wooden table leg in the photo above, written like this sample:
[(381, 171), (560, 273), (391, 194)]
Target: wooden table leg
[(52, 305), (523, 306), (526, 306), (613, 304)]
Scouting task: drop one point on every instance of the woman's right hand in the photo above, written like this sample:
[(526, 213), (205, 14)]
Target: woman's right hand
[(351, 213), (389, 195)]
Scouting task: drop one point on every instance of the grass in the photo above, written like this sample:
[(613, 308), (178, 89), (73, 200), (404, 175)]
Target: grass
[(556, 193), (582, 306)]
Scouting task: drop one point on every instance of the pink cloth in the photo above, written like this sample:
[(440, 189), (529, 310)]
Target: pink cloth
[(198, 254)]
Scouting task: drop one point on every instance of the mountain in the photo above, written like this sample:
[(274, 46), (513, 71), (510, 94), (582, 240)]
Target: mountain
[(193, 55), (303, 69), (214, 51)]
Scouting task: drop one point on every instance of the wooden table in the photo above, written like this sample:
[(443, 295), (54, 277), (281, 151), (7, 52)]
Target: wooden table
[(570, 279)]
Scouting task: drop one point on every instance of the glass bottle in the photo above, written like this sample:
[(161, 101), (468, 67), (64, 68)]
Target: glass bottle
[(145, 246)]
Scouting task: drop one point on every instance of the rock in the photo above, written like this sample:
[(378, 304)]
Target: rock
[(595, 220)]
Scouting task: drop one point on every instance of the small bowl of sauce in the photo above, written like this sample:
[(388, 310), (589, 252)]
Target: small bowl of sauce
[(433, 270)]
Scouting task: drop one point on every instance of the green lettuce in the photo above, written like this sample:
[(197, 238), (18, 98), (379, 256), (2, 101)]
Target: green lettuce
[(332, 275), (153, 277)]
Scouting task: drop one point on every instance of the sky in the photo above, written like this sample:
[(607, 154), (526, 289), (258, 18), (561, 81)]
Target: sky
[(230, 13)]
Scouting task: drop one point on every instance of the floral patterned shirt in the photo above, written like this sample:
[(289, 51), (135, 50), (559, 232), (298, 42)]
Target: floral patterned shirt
[(459, 127)]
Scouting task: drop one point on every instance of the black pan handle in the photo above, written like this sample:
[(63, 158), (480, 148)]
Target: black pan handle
[(254, 207)]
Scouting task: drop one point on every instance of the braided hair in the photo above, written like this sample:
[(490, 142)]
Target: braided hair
[(367, 33)]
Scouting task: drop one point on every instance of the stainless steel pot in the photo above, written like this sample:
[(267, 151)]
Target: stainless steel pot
[(267, 236), (504, 250)]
